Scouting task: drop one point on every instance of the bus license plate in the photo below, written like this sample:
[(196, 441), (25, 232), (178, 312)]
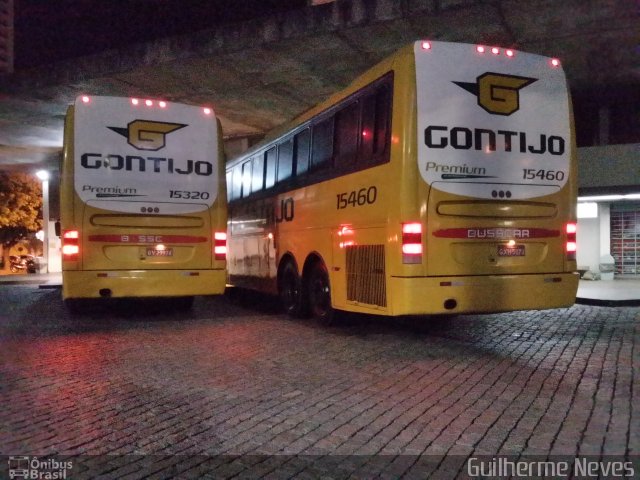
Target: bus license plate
[(152, 252), (514, 251)]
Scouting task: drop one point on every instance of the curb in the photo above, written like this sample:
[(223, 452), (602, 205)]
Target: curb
[(607, 303)]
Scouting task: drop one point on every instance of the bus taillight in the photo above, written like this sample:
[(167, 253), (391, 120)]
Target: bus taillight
[(220, 245), (572, 245), (70, 245), (412, 243)]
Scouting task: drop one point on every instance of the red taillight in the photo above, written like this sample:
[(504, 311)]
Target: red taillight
[(70, 244), (411, 243), (572, 245), (220, 245)]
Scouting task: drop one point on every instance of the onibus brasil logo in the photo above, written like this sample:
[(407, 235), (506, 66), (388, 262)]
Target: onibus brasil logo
[(39, 469)]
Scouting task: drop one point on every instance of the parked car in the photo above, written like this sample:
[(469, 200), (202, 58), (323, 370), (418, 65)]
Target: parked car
[(23, 263)]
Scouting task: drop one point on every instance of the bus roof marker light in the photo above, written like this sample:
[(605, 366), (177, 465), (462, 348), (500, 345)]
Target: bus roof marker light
[(509, 53), (480, 49), (135, 101), (426, 45), (162, 104), (555, 62), (148, 103), (495, 50), (85, 99), (207, 111)]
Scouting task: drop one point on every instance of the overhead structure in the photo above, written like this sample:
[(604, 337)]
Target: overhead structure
[(260, 73)]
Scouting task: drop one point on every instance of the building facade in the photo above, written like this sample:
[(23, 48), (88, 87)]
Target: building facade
[(608, 136)]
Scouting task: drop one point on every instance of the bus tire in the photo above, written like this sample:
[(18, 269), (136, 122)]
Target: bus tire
[(290, 291), (319, 294)]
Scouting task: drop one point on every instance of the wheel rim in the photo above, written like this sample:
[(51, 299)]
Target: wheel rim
[(320, 296), (290, 291)]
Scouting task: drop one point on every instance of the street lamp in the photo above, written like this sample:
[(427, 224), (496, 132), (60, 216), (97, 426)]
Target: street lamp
[(43, 175)]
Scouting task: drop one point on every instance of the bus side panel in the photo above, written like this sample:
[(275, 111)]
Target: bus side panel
[(333, 220), (252, 248)]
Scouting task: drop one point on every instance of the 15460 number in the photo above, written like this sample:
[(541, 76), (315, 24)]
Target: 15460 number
[(532, 174), (355, 198)]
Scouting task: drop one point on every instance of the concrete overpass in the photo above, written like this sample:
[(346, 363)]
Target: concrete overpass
[(260, 73)]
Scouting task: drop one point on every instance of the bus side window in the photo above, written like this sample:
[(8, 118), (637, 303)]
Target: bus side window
[(270, 168), (382, 120), (236, 187), (368, 128), (346, 135), (246, 179), (230, 185), (302, 151), (285, 159), (257, 175), (322, 143)]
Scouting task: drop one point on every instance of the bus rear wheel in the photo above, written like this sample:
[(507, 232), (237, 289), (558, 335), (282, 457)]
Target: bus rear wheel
[(319, 294), (290, 291)]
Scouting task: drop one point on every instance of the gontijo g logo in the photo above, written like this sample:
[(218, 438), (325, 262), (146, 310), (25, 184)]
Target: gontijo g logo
[(497, 93), (146, 134)]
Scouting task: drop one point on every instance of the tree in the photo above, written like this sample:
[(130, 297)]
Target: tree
[(20, 208)]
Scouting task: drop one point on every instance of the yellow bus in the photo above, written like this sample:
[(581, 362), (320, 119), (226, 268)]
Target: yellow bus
[(442, 180), (143, 200)]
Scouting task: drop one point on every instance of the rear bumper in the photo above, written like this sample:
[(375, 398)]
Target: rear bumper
[(142, 283), (481, 294)]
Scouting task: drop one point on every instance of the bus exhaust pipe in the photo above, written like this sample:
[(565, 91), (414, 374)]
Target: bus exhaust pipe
[(105, 292), (450, 304)]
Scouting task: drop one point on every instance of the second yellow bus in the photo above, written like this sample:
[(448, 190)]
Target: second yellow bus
[(442, 180)]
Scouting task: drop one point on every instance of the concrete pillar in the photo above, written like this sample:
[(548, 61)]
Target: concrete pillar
[(604, 216)]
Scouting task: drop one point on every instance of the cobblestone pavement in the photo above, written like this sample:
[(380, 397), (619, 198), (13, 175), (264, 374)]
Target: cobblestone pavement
[(235, 390)]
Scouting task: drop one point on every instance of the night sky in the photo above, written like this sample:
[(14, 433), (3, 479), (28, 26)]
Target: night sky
[(51, 30)]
